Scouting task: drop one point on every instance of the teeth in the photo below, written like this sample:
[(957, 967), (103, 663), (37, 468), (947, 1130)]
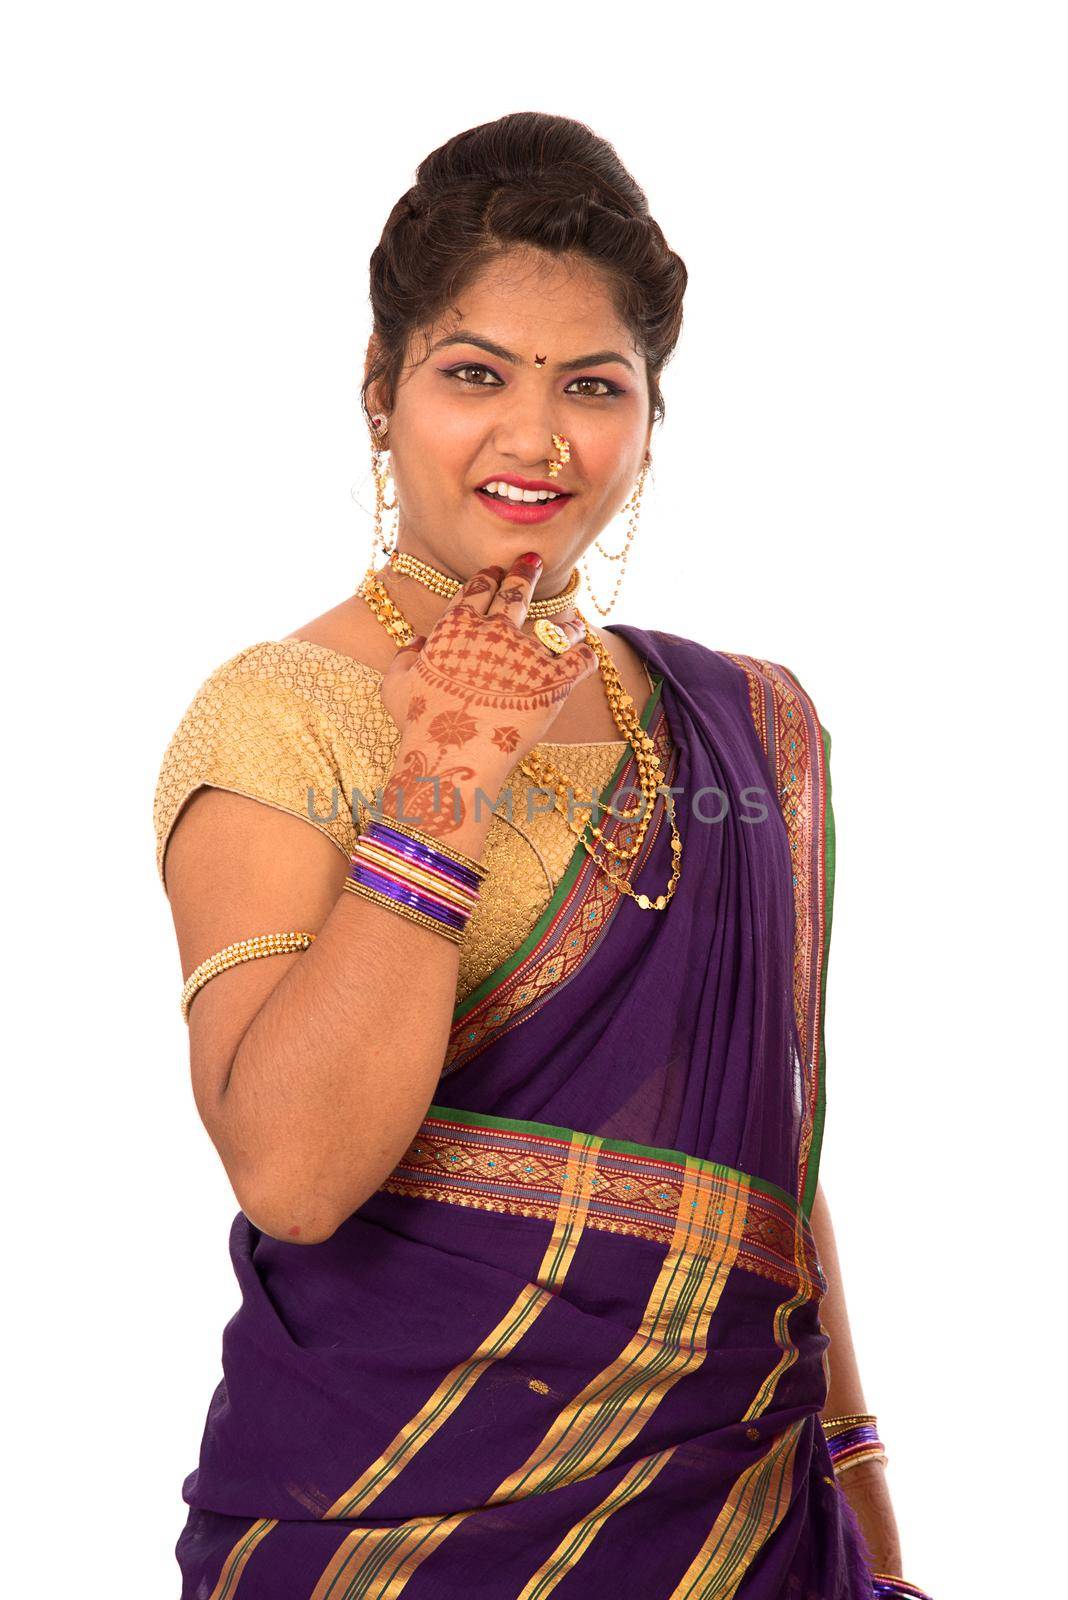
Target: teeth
[(510, 491)]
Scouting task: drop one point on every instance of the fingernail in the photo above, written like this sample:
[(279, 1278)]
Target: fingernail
[(532, 558)]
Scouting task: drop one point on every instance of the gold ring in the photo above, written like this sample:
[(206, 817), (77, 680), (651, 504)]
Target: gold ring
[(554, 638)]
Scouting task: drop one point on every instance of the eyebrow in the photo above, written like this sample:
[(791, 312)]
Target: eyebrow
[(498, 350)]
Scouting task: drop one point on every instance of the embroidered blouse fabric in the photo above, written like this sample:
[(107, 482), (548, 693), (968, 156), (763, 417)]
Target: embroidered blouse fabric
[(299, 727)]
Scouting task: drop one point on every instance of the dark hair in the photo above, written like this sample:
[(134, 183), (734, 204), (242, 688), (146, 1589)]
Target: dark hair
[(528, 179)]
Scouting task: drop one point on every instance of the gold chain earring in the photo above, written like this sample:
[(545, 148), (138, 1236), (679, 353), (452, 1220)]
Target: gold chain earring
[(633, 506), (381, 473)]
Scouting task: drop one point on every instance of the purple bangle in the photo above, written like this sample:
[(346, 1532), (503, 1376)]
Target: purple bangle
[(888, 1588), (404, 894), (381, 875), (425, 854), (852, 1441), (377, 854), (422, 858)]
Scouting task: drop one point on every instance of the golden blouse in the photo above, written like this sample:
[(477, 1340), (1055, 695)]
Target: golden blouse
[(302, 728)]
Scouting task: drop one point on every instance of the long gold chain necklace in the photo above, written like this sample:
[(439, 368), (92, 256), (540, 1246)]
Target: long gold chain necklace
[(543, 773)]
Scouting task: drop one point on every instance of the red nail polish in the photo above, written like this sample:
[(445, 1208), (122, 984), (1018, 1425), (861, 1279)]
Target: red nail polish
[(532, 558)]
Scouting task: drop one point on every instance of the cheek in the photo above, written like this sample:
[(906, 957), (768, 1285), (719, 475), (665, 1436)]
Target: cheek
[(606, 461), (433, 462)]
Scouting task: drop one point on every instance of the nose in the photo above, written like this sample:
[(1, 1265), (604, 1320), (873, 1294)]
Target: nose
[(524, 431)]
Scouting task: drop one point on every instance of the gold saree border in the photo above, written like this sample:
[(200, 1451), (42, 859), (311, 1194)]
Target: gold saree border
[(796, 748), (761, 1494), (515, 1168)]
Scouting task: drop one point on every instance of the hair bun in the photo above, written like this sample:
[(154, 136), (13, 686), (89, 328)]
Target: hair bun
[(528, 180)]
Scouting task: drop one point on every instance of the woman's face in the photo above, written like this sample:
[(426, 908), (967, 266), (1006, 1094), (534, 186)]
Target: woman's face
[(467, 414)]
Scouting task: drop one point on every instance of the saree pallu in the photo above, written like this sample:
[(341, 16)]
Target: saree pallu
[(572, 1345)]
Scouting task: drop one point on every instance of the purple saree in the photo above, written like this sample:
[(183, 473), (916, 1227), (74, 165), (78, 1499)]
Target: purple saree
[(572, 1346)]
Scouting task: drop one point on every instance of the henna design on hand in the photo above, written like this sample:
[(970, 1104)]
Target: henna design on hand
[(452, 727), (468, 656), (436, 808)]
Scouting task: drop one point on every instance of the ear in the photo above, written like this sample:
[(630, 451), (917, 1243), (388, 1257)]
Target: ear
[(373, 398)]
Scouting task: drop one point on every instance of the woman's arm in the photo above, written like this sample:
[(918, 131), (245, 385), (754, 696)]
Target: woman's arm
[(313, 1071), (864, 1485)]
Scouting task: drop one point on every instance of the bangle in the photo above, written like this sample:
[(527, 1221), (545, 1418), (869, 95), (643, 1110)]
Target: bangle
[(409, 872), (425, 841), (849, 1420), (413, 913), (887, 1586), (853, 1439), (261, 944)]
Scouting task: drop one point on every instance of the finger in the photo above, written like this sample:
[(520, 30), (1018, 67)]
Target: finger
[(575, 627), (514, 593), (406, 656), (479, 589), (585, 658)]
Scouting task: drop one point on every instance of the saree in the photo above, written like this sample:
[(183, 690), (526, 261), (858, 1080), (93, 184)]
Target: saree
[(572, 1346)]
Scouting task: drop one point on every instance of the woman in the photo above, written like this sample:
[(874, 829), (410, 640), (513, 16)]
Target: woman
[(524, 1113)]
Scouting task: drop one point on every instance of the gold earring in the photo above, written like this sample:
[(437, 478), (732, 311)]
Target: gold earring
[(381, 474), (633, 505)]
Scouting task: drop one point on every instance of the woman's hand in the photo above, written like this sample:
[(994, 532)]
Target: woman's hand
[(474, 698)]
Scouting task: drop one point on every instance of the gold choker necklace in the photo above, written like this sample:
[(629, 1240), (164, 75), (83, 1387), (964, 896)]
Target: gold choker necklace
[(441, 584), (542, 773)]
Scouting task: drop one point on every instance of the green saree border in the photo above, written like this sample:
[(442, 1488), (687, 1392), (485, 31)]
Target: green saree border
[(808, 1198), (563, 888)]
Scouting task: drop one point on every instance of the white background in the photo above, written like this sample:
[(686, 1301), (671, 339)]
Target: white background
[(861, 475)]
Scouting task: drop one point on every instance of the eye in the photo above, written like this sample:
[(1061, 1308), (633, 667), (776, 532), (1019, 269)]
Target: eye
[(607, 387), (472, 366)]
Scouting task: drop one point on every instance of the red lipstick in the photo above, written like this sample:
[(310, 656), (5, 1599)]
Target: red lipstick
[(523, 510)]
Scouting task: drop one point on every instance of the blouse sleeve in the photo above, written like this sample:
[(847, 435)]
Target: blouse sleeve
[(256, 735)]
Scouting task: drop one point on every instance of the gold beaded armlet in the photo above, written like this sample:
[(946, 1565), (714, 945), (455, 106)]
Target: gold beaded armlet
[(261, 944)]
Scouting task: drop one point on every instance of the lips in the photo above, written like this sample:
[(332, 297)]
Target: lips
[(516, 500), (523, 511), (521, 483)]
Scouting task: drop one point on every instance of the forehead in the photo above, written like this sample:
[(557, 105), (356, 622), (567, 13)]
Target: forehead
[(526, 295)]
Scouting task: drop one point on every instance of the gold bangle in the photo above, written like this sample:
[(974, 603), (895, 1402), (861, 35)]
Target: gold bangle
[(364, 889), (854, 1419), (261, 944), (876, 1453)]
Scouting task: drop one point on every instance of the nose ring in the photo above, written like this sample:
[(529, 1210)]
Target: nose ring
[(563, 454)]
